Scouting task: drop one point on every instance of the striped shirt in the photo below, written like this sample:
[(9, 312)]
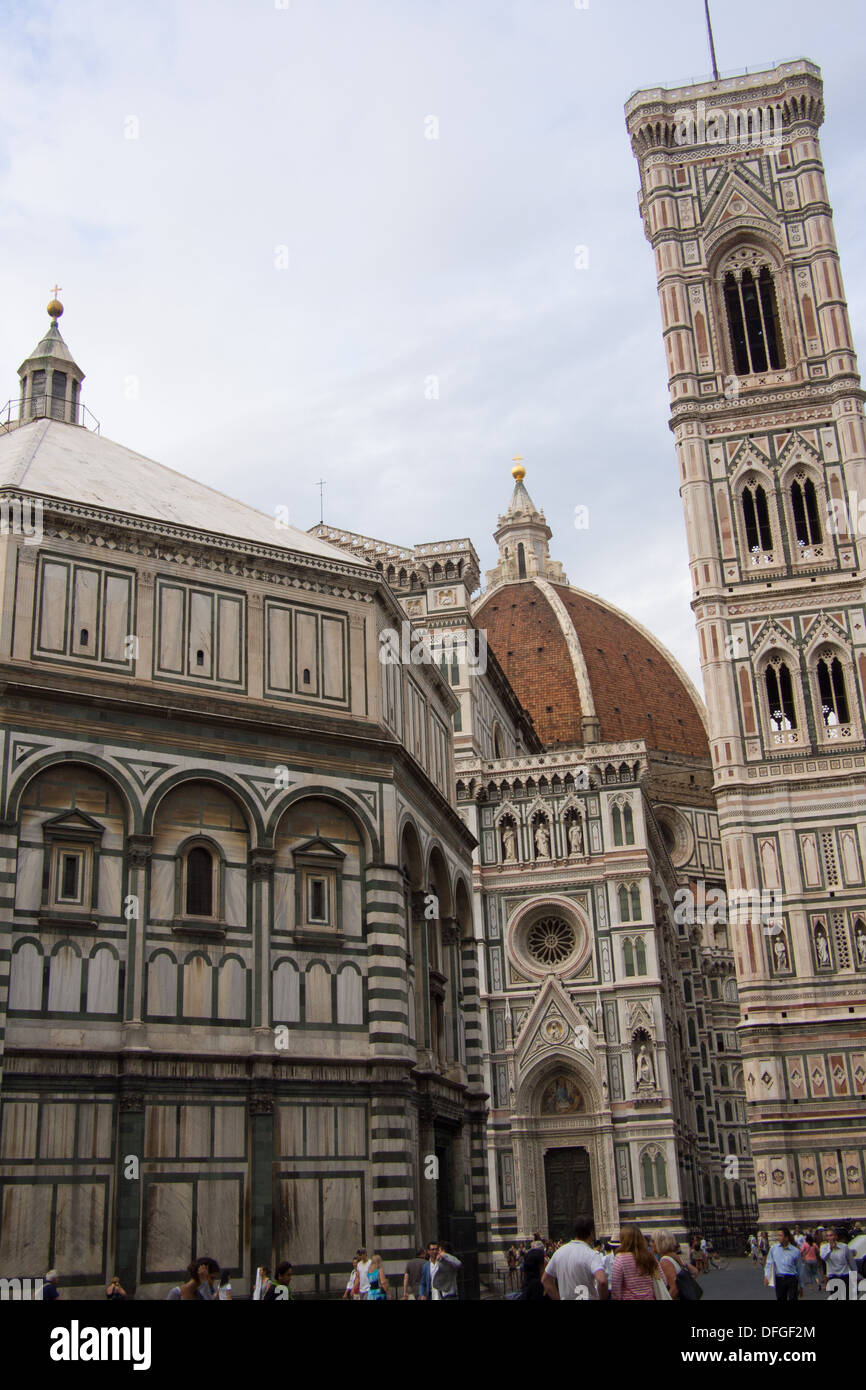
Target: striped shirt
[(627, 1284)]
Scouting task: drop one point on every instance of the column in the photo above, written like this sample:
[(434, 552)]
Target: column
[(127, 1189), (261, 871), (139, 849), (261, 1179)]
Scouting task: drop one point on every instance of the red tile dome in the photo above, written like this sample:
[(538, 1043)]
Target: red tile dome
[(638, 689)]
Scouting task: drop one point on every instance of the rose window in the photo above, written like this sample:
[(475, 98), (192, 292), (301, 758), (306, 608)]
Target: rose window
[(550, 941)]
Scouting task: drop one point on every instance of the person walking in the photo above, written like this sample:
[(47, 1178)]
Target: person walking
[(810, 1273), (443, 1276), (115, 1290), (377, 1281), (576, 1271), (838, 1259), (425, 1289), (412, 1277), (50, 1291), (782, 1269), (363, 1273), (634, 1269)]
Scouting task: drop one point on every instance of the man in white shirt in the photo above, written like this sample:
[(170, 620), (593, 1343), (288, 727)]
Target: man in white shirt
[(575, 1271), (364, 1263), (837, 1258)]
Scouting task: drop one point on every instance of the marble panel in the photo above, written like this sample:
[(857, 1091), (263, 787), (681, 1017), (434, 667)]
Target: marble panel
[(194, 1131), (103, 975), (110, 880), (232, 991), (162, 986), (80, 1227), (218, 1213), (299, 1219), (236, 897), (349, 996), (352, 1131), (25, 982), (341, 1216), (95, 1131), (286, 993), (28, 879), (320, 1131), (18, 1131), (229, 1131), (25, 1230), (57, 1133), (64, 981), (168, 1225), (160, 1131), (318, 995)]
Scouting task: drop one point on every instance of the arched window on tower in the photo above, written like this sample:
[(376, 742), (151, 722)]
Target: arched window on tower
[(804, 504), (521, 561), (640, 956), (780, 696), (753, 320), (616, 819), (628, 956), (622, 896), (636, 913), (756, 515), (834, 697), (628, 825), (199, 882)]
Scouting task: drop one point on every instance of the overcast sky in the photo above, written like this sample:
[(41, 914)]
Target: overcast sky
[(265, 260)]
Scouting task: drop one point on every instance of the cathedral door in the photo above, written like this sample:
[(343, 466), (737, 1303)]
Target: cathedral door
[(569, 1190)]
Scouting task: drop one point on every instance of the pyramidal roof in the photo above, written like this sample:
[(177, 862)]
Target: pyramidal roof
[(54, 459), (51, 345)]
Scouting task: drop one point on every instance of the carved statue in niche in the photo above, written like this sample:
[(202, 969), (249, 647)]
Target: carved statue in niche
[(643, 1069), (575, 839), (861, 943), (822, 947), (542, 841), (509, 844), (780, 952)]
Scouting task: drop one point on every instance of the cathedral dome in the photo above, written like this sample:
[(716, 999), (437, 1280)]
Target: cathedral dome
[(587, 672)]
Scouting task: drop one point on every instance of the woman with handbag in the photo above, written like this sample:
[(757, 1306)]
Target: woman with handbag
[(679, 1277)]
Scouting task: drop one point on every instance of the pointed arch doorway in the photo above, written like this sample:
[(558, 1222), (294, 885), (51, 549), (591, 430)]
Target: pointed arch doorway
[(568, 1188)]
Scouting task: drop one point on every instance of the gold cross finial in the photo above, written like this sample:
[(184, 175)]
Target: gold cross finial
[(56, 290), (518, 471)]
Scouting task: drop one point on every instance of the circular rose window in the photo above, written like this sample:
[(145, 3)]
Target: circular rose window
[(550, 941)]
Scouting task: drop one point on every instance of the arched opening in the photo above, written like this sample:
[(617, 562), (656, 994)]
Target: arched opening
[(521, 560)]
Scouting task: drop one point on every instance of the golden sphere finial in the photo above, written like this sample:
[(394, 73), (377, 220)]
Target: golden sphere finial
[(518, 471), (55, 308)]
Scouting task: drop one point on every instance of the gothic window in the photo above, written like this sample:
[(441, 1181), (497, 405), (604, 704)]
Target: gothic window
[(732, 1144), (804, 504), (729, 1113), (693, 1037), (756, 516), (700, 1117), (753, 319), (687, 991), (628, 825), (653, 1173), (780, 696), (616, 818), (628, 956), (636, 913), (696, 1078), (640, 956), (199, 875), (831, 687), (521, 561), (622, 894), (723, 1075)]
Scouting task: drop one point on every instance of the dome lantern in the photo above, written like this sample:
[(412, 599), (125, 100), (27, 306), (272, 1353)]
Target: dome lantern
[(50, 377)]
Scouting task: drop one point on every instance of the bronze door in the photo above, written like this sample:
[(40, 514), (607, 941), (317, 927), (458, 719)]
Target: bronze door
[(569, 1190)]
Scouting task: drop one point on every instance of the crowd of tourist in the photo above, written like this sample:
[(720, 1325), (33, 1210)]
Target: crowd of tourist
[(633, 1267), (799, 1261)]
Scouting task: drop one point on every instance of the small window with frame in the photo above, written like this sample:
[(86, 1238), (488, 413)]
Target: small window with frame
[(69, 881), (318, 885)]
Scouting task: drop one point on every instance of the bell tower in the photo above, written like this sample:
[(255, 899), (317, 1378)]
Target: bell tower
[(767, 418)]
